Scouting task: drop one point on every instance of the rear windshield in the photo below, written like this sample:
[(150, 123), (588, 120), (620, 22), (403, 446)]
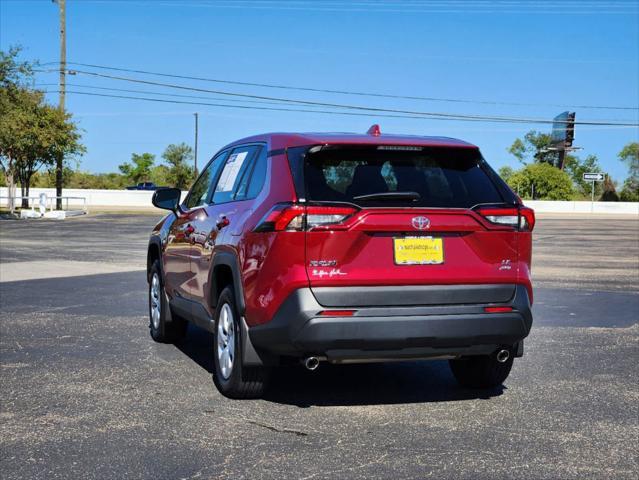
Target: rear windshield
[(442, 177)]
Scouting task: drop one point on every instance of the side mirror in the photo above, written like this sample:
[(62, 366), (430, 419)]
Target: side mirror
[(167, 198)]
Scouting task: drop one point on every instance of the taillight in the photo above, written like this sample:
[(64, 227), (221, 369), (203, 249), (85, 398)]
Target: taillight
[(324, 216), (292, 217), (280, 217), (521, 218), (528, 214)]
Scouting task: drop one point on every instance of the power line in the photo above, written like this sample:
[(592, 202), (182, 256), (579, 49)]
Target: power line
[(250, 107), (346, 92), (162, 94), (377, 110), (544, 8)]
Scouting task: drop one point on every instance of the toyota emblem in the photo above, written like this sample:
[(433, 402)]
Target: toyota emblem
[(421, 223)]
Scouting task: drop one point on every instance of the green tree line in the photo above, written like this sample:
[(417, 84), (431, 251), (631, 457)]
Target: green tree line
[(142, 168), (175, 171), (539, 179)]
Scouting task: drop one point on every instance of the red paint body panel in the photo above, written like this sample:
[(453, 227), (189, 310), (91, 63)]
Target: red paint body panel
[(278, 141), (273, 268)]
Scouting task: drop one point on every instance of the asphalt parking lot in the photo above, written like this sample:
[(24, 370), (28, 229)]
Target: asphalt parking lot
[(85, 393)]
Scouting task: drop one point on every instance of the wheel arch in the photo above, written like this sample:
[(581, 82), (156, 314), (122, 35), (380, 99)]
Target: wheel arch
[(154, 252), (225, 270)]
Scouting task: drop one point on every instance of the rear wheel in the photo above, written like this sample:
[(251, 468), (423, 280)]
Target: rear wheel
[(231, 377), (481, 371), (164, 327)]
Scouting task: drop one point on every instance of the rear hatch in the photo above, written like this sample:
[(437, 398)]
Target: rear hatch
[(410, 217)]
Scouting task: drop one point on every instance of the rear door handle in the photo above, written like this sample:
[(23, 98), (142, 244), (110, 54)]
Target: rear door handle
[(223, 222)]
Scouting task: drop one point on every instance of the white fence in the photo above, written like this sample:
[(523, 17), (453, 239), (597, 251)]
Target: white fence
[(96, 198), (551, 206), (141, 199)]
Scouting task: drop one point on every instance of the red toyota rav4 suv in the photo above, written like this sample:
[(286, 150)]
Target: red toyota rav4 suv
[(345, 248)]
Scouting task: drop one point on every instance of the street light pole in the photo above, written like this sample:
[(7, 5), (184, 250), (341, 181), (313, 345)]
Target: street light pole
[(195, 149)]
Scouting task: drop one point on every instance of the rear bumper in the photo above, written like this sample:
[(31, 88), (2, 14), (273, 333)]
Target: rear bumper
[(392, 332)]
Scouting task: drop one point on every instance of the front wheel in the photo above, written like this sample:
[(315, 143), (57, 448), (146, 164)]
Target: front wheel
[(231, 377), (481, 371), (164, 327)]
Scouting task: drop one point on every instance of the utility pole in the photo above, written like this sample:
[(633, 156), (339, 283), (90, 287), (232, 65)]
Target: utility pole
[(63, 86), (195, 149)]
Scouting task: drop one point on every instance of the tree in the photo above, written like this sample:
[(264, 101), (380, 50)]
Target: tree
[(178, 157), (46, 179), (16, 125), (16, 101), (534, 147), (160, 175), (14, 73), (52, 134), (609, 192), (506, 172), (32, 133), (576, 168), (630, 156), (140, 169), (541, 181)]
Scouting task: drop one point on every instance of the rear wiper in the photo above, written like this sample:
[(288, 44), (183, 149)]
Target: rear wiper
[(412, 196)]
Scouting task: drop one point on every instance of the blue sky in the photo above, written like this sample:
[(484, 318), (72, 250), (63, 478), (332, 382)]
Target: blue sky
[(544, 54)]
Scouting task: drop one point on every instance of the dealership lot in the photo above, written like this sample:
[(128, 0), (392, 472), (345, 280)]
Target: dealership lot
[(86, 393)]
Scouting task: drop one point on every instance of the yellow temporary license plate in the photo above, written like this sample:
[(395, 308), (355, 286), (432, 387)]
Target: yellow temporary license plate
[(418, 250)]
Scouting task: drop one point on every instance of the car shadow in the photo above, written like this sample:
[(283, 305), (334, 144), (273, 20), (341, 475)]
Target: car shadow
[(349, 385), (198, 346), (370, 384)]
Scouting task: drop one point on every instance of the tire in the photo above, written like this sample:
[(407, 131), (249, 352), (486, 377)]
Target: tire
[(481, 371), (164, 327), (231, 377)]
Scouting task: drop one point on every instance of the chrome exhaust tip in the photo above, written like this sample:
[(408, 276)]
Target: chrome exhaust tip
[(311, 363), (503, 356)]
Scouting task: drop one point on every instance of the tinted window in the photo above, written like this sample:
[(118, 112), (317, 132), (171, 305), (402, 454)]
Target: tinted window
[(258, 176), (236, 167), (443, 177), (201, 189), (242, 188)]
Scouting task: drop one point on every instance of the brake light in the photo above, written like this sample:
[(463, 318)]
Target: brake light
[(498, 309), (294, 217), (279, 218), (337, 313), (528, 214), (521, 218)]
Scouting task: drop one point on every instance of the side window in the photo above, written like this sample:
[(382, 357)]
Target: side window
[(201, 189), (240, 191), (234, 170), (258, 176)]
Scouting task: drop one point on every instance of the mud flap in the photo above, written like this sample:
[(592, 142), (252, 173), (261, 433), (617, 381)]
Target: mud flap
[(250, 357)]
